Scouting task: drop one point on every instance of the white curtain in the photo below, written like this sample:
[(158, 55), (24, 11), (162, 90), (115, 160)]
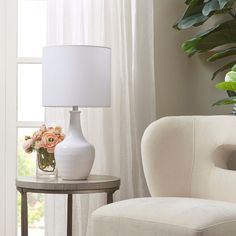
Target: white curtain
[(127, 27)]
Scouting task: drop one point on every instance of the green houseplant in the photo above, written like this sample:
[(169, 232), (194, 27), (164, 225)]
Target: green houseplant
[(223, 34), (228, 85)]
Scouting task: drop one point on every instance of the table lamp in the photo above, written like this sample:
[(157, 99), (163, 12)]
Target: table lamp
[(76, 76)]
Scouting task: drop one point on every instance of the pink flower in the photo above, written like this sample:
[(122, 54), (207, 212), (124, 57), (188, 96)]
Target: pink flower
[(57, 130), (37, 135), (43, 128), (38, 145), (27, 146), (49, 140), (44, 138)]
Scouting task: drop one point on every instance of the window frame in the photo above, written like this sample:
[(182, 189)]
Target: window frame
[(10, 35), (2, 113), (9, 123)]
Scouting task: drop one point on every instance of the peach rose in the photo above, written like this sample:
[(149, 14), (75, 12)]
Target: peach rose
[(27, 146), (37, 135), (60, 137), (57, 130), (49, 140)]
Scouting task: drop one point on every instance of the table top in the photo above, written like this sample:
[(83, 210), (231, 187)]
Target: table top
[(93, 183)]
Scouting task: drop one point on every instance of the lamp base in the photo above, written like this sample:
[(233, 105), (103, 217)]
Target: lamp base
[(74, 155)]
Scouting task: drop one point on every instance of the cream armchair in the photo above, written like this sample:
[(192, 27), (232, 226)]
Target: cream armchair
[(193, 192)]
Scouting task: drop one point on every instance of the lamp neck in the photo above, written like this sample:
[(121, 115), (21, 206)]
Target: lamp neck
[(75, 124), (75, 108)]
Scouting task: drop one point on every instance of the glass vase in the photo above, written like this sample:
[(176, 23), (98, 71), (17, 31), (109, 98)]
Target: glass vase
[(45, 164)]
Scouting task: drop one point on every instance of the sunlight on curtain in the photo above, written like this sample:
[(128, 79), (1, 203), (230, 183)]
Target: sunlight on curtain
[(127, 27)]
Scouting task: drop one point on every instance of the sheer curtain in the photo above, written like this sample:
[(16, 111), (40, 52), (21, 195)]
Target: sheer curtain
[(127, 27)]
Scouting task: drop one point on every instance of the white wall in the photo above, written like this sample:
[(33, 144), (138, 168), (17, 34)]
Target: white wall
[(183, 85)]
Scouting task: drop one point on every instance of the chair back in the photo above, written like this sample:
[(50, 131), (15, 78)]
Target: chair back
[(188, 156)]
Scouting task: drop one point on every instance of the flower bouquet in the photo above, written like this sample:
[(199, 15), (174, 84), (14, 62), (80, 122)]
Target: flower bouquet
[(43, 142)]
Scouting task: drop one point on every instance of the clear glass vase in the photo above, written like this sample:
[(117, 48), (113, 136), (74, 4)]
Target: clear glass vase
[(45, 164)]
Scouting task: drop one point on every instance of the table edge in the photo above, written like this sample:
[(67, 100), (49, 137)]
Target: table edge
[(70, 186)]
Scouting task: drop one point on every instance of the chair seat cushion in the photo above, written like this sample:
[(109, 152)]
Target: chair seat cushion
[(166, 216)]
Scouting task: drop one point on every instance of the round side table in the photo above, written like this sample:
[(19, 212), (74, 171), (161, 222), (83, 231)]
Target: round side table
[(94, 184)]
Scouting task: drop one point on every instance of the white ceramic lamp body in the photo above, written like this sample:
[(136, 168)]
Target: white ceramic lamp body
[(74, 155), (76, 76)]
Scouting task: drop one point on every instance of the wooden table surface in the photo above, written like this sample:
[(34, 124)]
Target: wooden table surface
[(93, 183)]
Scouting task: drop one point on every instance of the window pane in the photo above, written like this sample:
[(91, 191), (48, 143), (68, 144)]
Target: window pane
[(32, 22), (26, 167), (36, 220), (30, 93), (26, 162)]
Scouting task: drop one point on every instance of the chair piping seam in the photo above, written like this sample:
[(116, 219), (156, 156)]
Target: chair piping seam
[(164, 223), (193, 161)]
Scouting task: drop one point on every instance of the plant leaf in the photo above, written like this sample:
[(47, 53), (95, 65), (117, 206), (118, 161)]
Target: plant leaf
[(231, 86), (234, 68), (231, 93), (223, 68), (202, 11), (222, 34), (222, 54), (223, 3), (192, 21), (187, 2), (194, 8), (217, 39), (231, 77), (226, 101), (210, 7)]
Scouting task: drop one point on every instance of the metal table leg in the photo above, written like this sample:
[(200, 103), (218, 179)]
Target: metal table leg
[(69, 215), (110, 197), (24, 213)]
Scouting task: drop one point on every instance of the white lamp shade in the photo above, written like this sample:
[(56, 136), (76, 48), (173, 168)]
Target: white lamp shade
[(76, 76)]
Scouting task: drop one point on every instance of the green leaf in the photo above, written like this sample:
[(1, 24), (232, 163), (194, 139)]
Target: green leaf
[(194, 8), (222, 34), (191, 21), (190, 46), (202, 11), (226, 101), (231, 86), (194, 2), (223, 3), (210, 7), (217, 39), (223, 11), (187, 2), (234, 68), (231, 77), (231, 93), (223, 68), (222, 54)]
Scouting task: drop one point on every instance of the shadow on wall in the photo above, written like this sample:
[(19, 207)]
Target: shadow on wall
[(183, 85)]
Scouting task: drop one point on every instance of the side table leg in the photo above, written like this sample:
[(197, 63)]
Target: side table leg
[(24, 213), (69, 215), (110, 197)]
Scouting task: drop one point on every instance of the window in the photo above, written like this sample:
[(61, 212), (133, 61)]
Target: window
[(22, 36), (30, 114), (32, 18)]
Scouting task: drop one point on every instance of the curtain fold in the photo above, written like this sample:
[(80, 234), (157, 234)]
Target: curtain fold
[(127, 27)]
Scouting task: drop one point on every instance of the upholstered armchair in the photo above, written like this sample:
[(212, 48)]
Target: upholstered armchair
[(185, 162)]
